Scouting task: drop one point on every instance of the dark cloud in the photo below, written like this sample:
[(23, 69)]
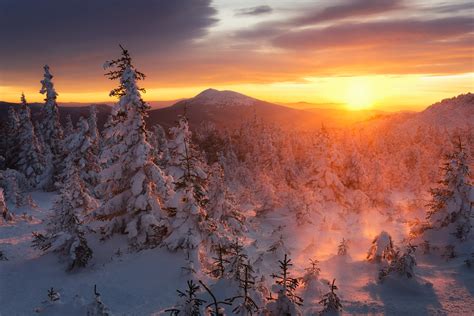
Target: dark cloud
[(259, 10), (349, 9), (73, 31), (454, 8), (376, 34)]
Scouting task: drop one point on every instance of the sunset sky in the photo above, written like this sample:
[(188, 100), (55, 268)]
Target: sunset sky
[(388, 54)]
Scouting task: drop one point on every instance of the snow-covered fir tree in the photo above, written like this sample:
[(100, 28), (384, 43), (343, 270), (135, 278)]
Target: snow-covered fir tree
[(97, 307), (69, 126), (189, 304), (222, 204), (53, 295), (236, 260), (133, 186), (93, 130), (11, 142), (81, 152), (50, 128), (3, 256), (343, 247), (14, 185), (312, 273), (402, 264), (66, 233), (159, 143), (214, 308), (6, 215), (451, 205), (220, 261), (330, 301), (247, 305), (190, 223), (287, 302), (278, 247), (382, 248), (30, 157)]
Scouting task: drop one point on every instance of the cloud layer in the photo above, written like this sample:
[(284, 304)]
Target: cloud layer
[(178, 43)]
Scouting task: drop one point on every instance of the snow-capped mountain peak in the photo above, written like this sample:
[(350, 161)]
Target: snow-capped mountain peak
[(222, 98)]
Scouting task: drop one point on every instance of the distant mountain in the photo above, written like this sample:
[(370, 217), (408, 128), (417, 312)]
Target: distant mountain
[(229, 109)]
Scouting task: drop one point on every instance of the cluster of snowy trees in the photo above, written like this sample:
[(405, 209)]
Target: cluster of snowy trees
[(157, 190), (35, 152), (254, 298), (449, 220)]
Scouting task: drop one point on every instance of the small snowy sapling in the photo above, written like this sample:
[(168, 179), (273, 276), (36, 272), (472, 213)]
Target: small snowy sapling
[(330, 301)]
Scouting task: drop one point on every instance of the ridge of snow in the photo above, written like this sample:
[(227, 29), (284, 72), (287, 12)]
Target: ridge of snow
[(456, 112)]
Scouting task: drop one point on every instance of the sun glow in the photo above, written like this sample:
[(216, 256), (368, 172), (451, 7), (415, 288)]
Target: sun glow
[(359, 94)]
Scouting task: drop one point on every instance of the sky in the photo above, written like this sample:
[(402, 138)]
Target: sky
[(385, 54)]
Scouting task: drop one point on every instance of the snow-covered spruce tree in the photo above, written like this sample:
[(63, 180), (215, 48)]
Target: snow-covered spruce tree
[(30, 158), (159, 143), (6, 215), (14, 184), (247, 305), (402, 264), (47, 176), (330, 301), (12, 130), (93, 130), (214, 308), (450, 206), (53, 295), (81, 153), (3, 257), (222, 204), (65, 232), (312, 273), (132, 185), (3, 144), (189, 304), (287, 302), (190, 223), (343, 247), (219, 261), (50, 127), (97, 307), (382, 248), (69, 126), (237, 259), (278, 248)]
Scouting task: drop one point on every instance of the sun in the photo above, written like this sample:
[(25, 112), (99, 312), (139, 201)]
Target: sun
[(359, 94)]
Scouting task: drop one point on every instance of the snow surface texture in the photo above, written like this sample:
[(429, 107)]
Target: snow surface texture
[(144, 283)]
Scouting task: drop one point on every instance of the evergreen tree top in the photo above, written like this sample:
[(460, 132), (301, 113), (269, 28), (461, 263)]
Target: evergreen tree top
[(119, 67), (23, 100), (47, 86)]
